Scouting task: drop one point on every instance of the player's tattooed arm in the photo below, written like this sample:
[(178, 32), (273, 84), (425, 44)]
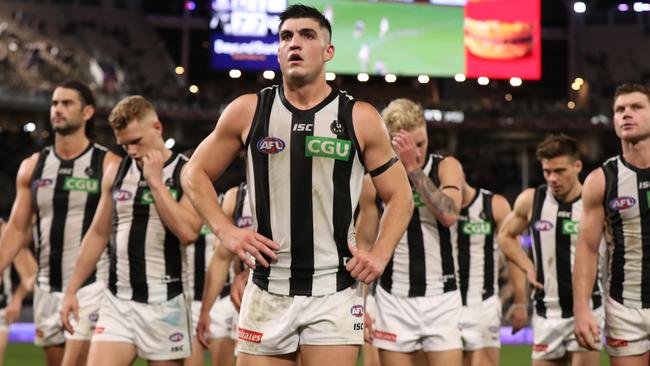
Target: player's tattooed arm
[(434, 198)]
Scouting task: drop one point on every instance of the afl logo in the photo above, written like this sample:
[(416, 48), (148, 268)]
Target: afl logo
[(542, 225), (40, 183), (622, 203), (245, 221), (357, 311), (122, 195), (176, 337), (270, 145)]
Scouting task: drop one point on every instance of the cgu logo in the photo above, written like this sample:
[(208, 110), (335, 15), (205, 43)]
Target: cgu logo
[(327, 147), (270, 145), (147, 196), (570, 227), (245, 221), (622, 203), (40, 183), (81, 184), (477, 228), (122, 195), (542, 225), (357, 311)]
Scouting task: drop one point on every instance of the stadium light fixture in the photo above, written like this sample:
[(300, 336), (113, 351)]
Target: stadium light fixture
[(623, 7), (579, 81), (170, 142), (508, 97), (180, 70), (459, 77), (423, 79), (390, 78), (571, 104), (330, 76), (515, 81), (483, 80), (363, 77), (194, 89), (190, 5), (234, 74), (579, 7), (29, 127), (268, 74), (575, 86)]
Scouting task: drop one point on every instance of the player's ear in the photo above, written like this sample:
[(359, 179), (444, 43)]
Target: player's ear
[(329, 52), (578, 165)]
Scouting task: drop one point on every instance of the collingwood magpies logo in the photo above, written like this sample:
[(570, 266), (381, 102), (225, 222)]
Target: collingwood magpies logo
[(336, 127)]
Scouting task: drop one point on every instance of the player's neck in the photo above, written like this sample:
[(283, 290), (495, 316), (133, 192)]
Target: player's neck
[(637, 153), (573, 194), (70, 146), (306, 96), (468, 195)]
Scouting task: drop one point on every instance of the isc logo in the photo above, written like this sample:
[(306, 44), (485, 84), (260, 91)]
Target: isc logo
[(543, 225), (327, 147), (622, 203), (357, 311), (81, 184), (270, 145), (300, 127)]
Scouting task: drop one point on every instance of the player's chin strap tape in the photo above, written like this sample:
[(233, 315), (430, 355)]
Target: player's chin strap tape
[(384, 167), (450, 187)]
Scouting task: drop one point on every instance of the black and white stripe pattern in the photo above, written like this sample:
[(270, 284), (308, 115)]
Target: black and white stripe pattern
[(423, 262), (554, 228), (65, 196), (478, 252), (627, 208), (147, 260), (305, 174)]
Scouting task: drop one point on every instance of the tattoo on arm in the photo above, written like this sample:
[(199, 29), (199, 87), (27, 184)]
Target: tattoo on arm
[(434, 198)]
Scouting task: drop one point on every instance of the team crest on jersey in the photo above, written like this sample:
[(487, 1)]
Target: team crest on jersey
[(543, 225), (89, 171), (327, 147), (44, 182), (336, 127), (356, 311), (270, 145), (482, 215), (170, 182), (622, 203), (245, 221), (122, 195)]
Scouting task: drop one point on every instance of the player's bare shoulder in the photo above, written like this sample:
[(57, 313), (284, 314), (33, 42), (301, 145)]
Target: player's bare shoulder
[(593, 189), (238, 115), (367, 122), (26, 169)]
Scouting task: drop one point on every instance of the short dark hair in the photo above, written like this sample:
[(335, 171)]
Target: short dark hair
[(304, 11), (554, 146), (87, 98), (629, 88)]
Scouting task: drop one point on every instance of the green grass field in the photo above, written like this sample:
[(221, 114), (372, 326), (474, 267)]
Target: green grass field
[(422, 38), (19, 354)]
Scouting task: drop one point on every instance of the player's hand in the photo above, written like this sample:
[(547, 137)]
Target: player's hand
[(69, 304), (586, 330), (203, 328), (407, 150), (237, 288), (368, 329), (12, 311), (365, 266), (518, 315), (152, 166), (246, 243)]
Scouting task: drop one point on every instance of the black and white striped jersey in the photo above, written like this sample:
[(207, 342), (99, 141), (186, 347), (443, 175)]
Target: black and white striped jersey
[(146, 258), (477, 251), (6, 288), (627, 210), (423, 262), (554, 230), (65, 194), (304, 173)]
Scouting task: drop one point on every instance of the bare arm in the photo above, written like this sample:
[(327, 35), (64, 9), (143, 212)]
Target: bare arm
[(513, 225), (368, 219), (443, 202), (17, 232), (586, 258), (391, 185), (26, 267), (208, 162)]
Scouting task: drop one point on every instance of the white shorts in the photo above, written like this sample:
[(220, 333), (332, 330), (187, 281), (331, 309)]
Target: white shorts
[(4, 327), (408, 324), (272, 324), (158, 331), (554, 337), (479, 324), (371, 305), (234, 330), (47, 320), (627, 329), (221, 318)]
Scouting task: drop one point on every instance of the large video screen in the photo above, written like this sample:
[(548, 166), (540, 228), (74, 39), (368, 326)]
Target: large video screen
[(493, 38)]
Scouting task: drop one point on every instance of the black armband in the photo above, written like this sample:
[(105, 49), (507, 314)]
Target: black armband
[(450, 187), (384, 167)]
